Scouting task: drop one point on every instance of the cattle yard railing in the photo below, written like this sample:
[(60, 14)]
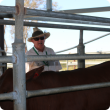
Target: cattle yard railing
[(13, 96), (18, 58), (1, 70)]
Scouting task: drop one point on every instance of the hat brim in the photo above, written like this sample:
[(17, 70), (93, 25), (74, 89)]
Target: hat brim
[(44, 34)]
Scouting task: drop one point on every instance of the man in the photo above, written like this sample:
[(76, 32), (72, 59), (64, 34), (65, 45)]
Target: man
[(38, 39)]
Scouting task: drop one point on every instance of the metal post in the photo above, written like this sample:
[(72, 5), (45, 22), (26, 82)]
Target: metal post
[(48, 25), (81, 51), (1, 69), (19, 79), (2, 45), (2, 36), (49, 5)]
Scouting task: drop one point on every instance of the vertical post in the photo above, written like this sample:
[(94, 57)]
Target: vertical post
[(49, 5), (2, 36), (1, 69), (2, 44), (19, 79), (81, 51)]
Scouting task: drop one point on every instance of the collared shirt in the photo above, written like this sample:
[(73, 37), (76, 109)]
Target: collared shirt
[(52, 65)]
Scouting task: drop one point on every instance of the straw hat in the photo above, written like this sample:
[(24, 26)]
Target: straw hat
[(38, 33)]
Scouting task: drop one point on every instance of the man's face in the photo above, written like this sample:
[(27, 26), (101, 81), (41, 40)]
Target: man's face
[(39, 42)]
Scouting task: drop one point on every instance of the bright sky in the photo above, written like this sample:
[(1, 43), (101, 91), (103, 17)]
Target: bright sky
[(61, 39)]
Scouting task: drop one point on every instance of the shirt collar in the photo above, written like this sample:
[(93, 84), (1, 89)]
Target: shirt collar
[(38, 50)]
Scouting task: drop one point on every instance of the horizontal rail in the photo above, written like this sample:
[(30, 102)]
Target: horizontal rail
[(12, 95), (12, 59), (3, 15), (9, 22), (35, 12), (66, 89), (7, 96), (64, 20), (7, 59), (67, 26), (66, 57), (87, 10), (8, 9)]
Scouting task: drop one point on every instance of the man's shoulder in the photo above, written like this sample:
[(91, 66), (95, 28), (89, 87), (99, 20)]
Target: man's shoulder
[(30, 52), (48, 48)]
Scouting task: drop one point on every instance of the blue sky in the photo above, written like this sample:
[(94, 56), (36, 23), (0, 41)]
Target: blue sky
[(61, 39)]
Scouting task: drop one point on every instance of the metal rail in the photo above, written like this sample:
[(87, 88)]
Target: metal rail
[(66, 57), (51, 19), (66, 89), (8, 59), (64, 20), (7, 96), (8, 9), (87, 10), (12, 95), (9, 22), (34, 12), (12, 59)]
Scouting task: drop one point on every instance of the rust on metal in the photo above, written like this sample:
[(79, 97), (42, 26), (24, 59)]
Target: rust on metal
[(17, 9)]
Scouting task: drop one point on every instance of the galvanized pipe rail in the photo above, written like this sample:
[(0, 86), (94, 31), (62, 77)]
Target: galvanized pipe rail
[(10, 22), (8, 9), (8, 59), (35, 12), (66, 57), (13, 59), (8, 96), (12, 95), (64, 20), (66, 89), (3, 15)]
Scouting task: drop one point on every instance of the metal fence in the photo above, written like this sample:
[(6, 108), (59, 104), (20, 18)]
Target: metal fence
[(1, 69), (18, 58)]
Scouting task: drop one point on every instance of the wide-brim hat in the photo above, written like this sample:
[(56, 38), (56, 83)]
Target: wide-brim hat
[(38, 33)]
